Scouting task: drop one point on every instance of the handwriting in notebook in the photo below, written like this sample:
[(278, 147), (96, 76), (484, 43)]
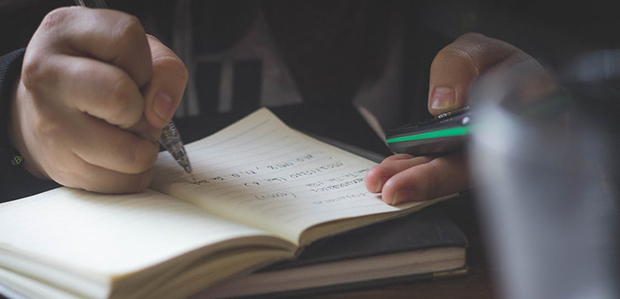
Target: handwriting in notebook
[(265, 158), (263, 167)]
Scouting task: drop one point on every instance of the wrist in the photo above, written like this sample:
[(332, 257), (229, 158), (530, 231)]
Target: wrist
[(16, 133), (10, 67)]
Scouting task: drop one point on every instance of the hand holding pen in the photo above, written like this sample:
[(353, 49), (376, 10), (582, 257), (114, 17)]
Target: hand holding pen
[(170, 138), (91, 79)]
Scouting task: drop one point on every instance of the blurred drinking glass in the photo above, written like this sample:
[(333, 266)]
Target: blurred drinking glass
[(544, 157)]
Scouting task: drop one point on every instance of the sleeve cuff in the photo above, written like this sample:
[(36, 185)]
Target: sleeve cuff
[(15, 181)]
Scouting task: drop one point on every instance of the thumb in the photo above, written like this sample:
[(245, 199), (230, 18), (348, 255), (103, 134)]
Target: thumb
[(163, 93), (457, 65)]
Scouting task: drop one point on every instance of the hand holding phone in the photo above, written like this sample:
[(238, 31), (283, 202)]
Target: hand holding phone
[(444, 133)]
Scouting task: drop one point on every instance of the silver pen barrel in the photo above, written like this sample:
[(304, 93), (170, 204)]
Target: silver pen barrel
[(171, 140)]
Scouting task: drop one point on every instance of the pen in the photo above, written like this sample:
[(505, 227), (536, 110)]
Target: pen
[(170, 138)]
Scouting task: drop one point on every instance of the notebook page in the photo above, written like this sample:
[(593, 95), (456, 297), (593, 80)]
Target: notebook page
[(260, 172), (108, 235)]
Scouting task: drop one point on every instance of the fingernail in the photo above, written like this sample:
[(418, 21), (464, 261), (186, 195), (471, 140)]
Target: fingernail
[(394, 199), (401, 196), (443, 98), (163, 106), (379, 186)]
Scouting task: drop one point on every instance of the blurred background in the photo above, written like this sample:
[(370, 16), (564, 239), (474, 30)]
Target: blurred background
[(407, 33), (377, 54)]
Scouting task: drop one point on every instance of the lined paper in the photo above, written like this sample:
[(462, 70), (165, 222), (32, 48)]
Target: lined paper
[(260, 172)]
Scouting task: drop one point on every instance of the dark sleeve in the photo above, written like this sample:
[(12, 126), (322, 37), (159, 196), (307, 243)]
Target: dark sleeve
[(15, 181)]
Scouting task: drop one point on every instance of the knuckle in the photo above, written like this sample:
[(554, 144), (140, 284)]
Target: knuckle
[(31, 75), (127, 29), (459, 56), (34, 73), (172, 66), (57, 18)]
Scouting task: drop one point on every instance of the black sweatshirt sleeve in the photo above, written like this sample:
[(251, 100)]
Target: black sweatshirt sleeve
[(15, 181)]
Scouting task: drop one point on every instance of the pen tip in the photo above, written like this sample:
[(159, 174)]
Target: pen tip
[(188, 168)]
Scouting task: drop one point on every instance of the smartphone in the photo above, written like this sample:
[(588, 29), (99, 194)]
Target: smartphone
[(442, 134)]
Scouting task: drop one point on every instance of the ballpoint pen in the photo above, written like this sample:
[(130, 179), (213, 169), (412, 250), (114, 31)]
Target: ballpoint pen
[(170, 138)]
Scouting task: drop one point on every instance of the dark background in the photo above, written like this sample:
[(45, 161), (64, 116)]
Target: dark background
[(550, 30)]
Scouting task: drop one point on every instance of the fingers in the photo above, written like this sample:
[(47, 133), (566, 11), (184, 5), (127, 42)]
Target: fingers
[(457, 65), (78, 150), (378, 175), (128, 153), (99, 89), (164, 92), (79, 108), (105, 35), (454, 69), (89, 86), (100, 179), (98, 69), (405, 178)]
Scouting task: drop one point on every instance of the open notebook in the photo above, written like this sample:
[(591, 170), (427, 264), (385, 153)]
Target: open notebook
[(260, 193)]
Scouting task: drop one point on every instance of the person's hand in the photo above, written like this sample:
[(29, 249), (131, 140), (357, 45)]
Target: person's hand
[(402, 177), (94, 94)]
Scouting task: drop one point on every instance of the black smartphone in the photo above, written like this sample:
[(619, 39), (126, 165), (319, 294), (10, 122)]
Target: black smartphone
[(444, 133)]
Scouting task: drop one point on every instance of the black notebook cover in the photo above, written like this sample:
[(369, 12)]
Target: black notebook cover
[(427, 229)]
